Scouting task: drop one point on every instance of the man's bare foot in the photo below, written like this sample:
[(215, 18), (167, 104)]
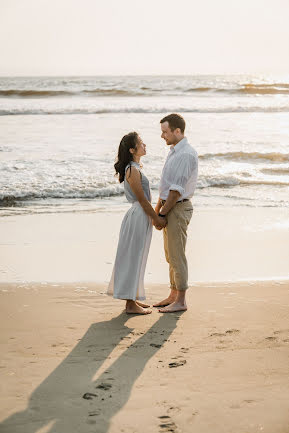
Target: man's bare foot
[(165, 302), (175, 306), (133, 308), (141, 304)]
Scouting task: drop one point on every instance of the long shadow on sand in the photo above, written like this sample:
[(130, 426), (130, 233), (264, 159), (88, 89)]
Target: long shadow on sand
[(57, 404)]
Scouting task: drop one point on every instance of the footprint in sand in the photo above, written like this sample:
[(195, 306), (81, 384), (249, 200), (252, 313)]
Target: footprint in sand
[(174, 409), (167, 425), (220, 334), (232, 331), (104, 386), (217, 334), (271, 338), (177, 364), (94, 413), (89, 396)]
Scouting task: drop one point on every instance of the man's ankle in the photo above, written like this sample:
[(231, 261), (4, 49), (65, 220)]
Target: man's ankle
[(181, 297)]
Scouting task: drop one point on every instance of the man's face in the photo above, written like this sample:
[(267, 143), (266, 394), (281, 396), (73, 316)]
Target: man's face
[(168, 135)]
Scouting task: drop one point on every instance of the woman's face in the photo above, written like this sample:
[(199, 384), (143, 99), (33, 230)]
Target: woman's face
[(140, 149)]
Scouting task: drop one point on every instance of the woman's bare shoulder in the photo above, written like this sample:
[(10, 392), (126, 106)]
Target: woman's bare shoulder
[(132, 173)]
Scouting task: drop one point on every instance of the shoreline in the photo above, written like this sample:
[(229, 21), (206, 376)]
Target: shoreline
[(93, 287), (227, 244)]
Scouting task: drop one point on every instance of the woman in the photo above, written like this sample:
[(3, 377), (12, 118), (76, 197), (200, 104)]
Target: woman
[(127, 280)]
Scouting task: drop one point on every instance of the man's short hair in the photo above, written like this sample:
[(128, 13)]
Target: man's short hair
[(175, 121)]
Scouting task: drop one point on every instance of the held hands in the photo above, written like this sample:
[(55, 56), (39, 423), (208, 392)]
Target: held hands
[(160, 223)]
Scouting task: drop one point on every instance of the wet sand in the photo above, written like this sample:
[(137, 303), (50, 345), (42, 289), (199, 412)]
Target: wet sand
[(224, 244), (73, 361)]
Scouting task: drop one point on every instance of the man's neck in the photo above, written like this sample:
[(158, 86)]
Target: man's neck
[(179, 140)]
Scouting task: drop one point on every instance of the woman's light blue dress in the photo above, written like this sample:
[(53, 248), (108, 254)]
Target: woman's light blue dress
[(127, 280)]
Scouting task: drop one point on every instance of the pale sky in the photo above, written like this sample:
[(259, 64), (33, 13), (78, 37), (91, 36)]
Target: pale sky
[(122, 37)]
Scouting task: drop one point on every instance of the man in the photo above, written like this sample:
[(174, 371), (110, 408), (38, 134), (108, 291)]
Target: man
[(177, 186)]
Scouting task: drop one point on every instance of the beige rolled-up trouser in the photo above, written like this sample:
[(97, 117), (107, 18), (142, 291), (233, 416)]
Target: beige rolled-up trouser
[(175, 239)]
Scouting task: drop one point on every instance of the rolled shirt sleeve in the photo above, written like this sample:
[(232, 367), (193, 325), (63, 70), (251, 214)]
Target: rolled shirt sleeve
[(183, 169)]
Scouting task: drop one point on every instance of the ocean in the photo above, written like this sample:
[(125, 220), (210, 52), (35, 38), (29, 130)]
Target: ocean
[(59, 138)]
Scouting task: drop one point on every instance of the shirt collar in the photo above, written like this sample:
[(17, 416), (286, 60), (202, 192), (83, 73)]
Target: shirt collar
[(177, 147)]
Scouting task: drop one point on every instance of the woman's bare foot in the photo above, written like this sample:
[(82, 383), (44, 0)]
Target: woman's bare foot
[(141, 304), (133, 308)]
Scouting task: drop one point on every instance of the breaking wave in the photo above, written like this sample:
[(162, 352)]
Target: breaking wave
[(218, 181), (247, 156), (124, 89)]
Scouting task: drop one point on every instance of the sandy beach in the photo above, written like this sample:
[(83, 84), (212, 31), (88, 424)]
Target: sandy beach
[(73, 361)]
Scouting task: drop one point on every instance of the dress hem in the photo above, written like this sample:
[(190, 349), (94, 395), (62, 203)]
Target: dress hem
[(141, 298)]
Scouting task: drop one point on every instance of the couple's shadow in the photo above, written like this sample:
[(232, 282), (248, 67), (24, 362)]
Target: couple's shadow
[(57, 404)]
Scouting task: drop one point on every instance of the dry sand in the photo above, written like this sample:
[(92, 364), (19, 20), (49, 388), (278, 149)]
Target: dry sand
[(73, 362)]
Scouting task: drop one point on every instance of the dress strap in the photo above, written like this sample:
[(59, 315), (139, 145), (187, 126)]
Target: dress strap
[(134, 164)]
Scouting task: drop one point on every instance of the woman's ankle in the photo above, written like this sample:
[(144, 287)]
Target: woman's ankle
[(130, 302)]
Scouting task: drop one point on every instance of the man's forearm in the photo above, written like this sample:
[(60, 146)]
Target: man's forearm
[(170, 202)]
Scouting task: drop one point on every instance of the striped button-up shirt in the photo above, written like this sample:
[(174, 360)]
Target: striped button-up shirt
[(180, 171)]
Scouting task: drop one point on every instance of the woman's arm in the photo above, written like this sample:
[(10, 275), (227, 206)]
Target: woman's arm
[(158, 206), (133, 177)]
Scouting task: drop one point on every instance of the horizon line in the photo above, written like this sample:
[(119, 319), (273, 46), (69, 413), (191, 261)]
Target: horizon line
[(142, 75)]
